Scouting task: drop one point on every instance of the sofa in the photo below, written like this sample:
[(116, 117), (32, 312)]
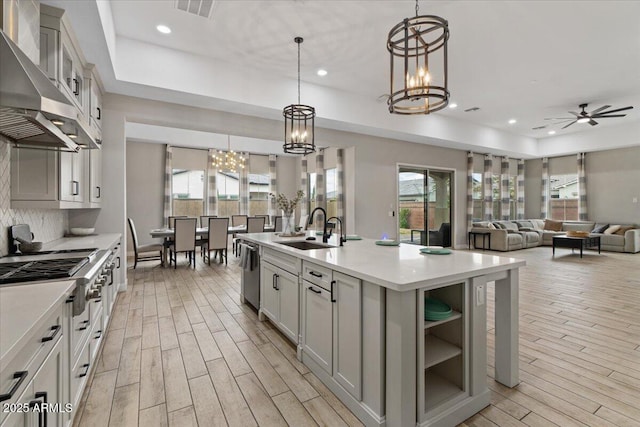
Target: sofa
[(522, 234)]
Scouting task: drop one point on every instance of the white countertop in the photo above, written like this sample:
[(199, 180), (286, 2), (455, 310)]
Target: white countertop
[(401, 268), (23, 308), (100, 241)]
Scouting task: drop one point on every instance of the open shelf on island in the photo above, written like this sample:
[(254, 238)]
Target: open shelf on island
[(431, 323), (440, 390), (437, 351)]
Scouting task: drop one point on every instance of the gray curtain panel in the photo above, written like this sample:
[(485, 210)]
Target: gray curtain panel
[(212, 191), (273, 185), (340, 183), (320, 187), (505, 211), (544, 199), (304, 203), (488, 190), (168, 175), (582, 188), (469, 190), (520, 191), (244, 187)]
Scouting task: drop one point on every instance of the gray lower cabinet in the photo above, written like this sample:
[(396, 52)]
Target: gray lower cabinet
[(317, 331), (279, 298)]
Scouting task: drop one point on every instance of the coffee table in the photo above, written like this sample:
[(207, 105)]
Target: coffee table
[(576, 243)]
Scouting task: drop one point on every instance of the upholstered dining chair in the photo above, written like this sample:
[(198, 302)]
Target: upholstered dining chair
[(184, 240), (172, 220), (266, 218), (217, 239), (255, 224), (304, 222), (146, 252), (277, 222), (204, 220), (237, 220)]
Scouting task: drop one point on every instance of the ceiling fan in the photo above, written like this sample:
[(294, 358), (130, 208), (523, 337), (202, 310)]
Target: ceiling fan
[(589, 117)]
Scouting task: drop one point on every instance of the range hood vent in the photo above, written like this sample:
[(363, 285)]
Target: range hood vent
[(30, 104)]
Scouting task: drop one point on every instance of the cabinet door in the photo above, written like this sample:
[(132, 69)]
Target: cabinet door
[(49, 52), (69, 186), (47, 385), (95, 105), (269, 296), (34, 174), (288, 288), (21, 419), (347, 333), (67, 71), (317, 324), (95, 176)]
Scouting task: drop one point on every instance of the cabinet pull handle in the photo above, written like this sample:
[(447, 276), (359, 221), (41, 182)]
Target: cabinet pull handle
[(312, 289), (20, 376), (333, 282), (75, 188), (42, 417), (273, 281), (99, 113), (98, 334), (76, 91), (277, 279), (99, 192), (86, 325), (314, 274), (86, 370), (55, 329), (70, 299), (118, 262)]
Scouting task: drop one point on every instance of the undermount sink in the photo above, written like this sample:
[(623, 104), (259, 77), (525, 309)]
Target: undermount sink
[(305, 246)]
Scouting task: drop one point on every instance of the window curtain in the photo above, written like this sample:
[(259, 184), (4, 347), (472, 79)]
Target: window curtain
[(488, 190), (244, 187), (304, 203), (212, 191), (520, 191), (320, 187), (168, 175), (340, 183), (582, 188), (273, 186), (505, 211), (469, 190), (544, 200)]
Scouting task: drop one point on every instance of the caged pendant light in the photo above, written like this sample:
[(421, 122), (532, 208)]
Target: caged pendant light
[(228, 161), (299, 122), (418, 48)]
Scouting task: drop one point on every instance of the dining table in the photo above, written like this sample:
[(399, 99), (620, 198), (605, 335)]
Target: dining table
[(168, 233)]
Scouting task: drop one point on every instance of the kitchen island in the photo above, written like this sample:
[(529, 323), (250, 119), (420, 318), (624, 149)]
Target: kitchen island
[(356, 316)]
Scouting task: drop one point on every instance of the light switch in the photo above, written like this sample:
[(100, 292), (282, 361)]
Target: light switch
[(480, 295)]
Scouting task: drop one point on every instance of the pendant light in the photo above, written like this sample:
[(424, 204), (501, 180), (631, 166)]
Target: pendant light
[(299, 122), (228, 161), (418, 48)]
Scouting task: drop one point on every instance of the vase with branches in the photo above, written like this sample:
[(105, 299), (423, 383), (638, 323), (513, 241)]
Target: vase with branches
[(288, 207)]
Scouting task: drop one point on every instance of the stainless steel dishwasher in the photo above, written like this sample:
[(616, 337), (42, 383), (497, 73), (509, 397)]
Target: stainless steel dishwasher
[(250, 276)]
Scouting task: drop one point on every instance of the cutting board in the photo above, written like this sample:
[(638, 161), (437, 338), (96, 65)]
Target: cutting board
[(21, 231)]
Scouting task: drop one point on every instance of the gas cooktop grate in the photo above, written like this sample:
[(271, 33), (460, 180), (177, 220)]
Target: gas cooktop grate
[(28, 271)]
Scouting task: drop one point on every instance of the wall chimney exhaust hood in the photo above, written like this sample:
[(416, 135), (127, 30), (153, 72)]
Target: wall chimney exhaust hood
[(33, 112)]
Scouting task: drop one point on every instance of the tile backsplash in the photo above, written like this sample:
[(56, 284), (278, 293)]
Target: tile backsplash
[(46, 224)]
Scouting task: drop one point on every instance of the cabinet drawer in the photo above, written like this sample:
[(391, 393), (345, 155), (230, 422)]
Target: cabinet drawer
[(286, 262), (80, 329), (95, 338), (317, 274), (79, 375), (95, 307)]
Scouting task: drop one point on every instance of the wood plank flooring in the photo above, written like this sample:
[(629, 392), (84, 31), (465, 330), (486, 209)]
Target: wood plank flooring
[(181, 350)]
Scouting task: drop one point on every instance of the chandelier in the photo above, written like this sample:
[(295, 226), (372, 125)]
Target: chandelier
[(418, 48), (299, 122), (228, 161)]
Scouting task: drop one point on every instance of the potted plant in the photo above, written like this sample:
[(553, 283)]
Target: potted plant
[(288, 207)]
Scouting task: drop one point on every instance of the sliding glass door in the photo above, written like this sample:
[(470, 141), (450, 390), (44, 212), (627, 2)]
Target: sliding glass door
[(424, 206)]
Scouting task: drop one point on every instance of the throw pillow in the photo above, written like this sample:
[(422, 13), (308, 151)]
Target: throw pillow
[(491, 226), (623, 229), (498, 225), (612, 229), (525, 224), (552, 225), (599, 228)]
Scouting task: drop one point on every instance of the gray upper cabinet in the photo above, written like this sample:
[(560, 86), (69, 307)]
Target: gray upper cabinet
[(49, 42), (95, 177), (95, 105)]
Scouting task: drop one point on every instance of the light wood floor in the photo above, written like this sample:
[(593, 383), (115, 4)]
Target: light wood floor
[(182, 351)]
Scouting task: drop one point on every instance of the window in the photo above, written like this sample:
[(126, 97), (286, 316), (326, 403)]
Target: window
[(311, 191), (259, 193), (188, 192), (477, 197), (228, 188), (331, 192), (563, 197)]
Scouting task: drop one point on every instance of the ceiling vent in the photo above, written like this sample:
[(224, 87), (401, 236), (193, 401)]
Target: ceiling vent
[(197, 7)]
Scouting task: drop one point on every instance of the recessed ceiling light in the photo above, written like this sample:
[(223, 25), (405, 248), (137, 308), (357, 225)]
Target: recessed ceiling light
[(452, 106), (552, 132), (72, 135), (163, 29), (322, 72), (57, 122), (512, 121)]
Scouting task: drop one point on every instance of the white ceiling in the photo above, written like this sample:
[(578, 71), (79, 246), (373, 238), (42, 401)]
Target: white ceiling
[(527, 60)]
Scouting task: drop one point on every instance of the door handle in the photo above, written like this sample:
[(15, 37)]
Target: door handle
[(333, 282)]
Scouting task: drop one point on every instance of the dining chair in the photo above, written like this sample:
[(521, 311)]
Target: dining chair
[(237, 220), (144, 252), (204, 220), (172, 220), (277, 221), (255, 224), (266, 218), (217, 239), (184, 240), (303, 222)]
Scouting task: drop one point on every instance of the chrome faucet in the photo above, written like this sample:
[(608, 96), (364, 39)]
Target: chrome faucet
[(343, 235), (325, 235)]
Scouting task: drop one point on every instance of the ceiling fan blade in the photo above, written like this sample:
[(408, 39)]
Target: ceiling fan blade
[(616, 110), (575, 114), (607, 116), (593, 122), (597, 110), (569, 124), (559, 118), (539, 127)]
